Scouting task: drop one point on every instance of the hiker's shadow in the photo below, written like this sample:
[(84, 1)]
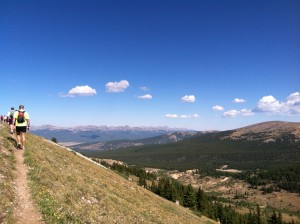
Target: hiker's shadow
[(12, 140)]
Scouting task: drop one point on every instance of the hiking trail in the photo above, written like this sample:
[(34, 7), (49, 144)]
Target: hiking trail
[(25, 211)]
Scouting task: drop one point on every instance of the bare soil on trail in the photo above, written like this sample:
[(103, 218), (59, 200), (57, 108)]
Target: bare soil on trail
[(25, 210)]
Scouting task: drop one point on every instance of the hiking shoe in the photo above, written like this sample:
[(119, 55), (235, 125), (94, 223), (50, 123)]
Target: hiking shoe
[(19, 146), (11, 131)]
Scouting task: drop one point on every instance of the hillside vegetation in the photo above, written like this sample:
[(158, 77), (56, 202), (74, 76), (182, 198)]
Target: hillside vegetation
[(70, 189), (7, 166), (265, 146)]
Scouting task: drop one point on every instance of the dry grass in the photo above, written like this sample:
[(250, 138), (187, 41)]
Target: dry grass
[(70, 189), (7, 167)]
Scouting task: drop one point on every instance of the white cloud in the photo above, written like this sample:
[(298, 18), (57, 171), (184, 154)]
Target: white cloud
[(246, 112), (171, 116), (269, 104), (238, 100), (218, 108), (231, 113), (80, 91), (234, 113), (184, 116), (293, 103), (115, 87), (189, 116), (195, 116), (273, 106), (145, 97), (188, 98), (294, 99)]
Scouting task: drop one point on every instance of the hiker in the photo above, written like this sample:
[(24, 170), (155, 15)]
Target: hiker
[(10, 116), (22, 123)]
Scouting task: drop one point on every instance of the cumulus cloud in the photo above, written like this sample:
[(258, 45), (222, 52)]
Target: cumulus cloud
[(238, 100), (188, 98), (270, 104), (293, 103), (246, 112), (80, 91), (182, 116), (145, 97), (234, 113), (190, 116), (171, 116), (218, 108), (294, 99), (231, 113), (115, 87)]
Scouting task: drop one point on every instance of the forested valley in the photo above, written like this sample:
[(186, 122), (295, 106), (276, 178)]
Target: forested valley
[(209, 204)]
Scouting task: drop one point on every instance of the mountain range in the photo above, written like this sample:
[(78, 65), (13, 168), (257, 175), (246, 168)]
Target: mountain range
[(267, 132), (118, 144), (262, 145), (90, 133)]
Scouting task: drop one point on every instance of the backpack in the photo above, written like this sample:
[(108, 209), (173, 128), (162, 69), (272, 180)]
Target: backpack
[(21, 117), (11, 114)]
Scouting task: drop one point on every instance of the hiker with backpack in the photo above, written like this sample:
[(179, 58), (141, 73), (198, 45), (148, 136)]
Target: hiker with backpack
[(10, 117), (22, 124)]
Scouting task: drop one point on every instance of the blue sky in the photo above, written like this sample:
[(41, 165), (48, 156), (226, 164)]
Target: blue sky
[(193, 64)]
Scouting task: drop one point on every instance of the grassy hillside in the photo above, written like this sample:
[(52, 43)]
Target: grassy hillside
[(243, 150), (7, 166), (70, 189)]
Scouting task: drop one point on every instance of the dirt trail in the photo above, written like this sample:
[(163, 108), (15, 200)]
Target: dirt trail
[(25, 211)]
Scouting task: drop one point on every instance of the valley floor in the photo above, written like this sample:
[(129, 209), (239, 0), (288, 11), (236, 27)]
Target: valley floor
[(238, 191)]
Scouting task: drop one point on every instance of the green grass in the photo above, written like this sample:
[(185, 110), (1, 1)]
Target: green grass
[(7, 168), (70, 189)]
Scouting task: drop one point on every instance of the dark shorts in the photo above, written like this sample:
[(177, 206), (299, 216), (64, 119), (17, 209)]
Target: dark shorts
[(10, 121), (20, 129)]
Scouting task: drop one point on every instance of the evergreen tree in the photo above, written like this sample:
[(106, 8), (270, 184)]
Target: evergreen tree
[(280, 218), (219, 213), (54, 139), (251, 218), (201, 200), (154, 187), (274, 219), (258, 215), (189, 198), (142, 182), (167, 193)]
